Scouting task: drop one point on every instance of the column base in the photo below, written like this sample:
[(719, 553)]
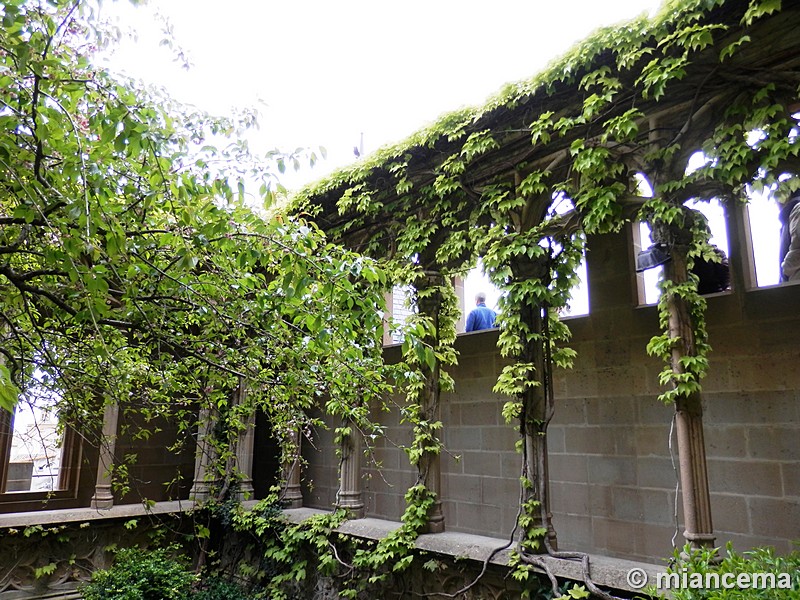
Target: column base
[(200, 491), (103, 499), (293, 498), (435, 521), (245, 491), (353, 504), (434, 527), (701, 541), (354, 511)]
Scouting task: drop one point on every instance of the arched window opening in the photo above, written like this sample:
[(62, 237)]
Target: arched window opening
[(714, 212), (36, 447), (578, 304), (764, 217), (766, 234), (477, 280), (399, 308)]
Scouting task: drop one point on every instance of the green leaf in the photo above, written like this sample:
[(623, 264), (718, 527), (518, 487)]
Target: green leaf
[(42, 571), (9, 393)]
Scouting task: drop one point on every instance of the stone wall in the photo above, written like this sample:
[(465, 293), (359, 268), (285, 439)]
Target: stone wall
[(613, 484), (53, 553), (164, 465)]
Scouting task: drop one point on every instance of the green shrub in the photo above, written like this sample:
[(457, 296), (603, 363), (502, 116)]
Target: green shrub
[(142, 575), (704, 577)]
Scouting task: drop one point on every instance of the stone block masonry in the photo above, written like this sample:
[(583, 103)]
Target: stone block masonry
[(611, 469)]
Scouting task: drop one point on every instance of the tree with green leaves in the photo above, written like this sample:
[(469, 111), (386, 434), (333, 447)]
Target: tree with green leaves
[(132, 270)]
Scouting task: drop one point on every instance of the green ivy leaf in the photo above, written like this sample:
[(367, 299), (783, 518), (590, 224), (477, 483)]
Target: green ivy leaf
[(9, 393)]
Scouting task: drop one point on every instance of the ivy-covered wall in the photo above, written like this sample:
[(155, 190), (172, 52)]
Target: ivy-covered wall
[(612, 480), (548, 168)]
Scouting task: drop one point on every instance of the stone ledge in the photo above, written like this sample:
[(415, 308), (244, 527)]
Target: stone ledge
[(80, 515), (606, 571), (66, 592)]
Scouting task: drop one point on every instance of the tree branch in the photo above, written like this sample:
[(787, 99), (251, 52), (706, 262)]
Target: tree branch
[(18, 280)]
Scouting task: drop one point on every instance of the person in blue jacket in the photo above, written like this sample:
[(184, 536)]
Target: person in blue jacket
[(481, 317)]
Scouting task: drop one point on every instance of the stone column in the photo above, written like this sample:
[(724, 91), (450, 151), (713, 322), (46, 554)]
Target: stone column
[(535, 419), (699, 531), (458, 287), (433, 466), (688, 408), (292, 490), (350, 497), (201, 487), (429, 304), (103, 498), (536, 399), (244, 447)]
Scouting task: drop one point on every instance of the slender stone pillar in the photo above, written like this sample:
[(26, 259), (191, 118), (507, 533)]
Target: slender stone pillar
[(429, 466), (350, 497), (534, 424), (201, 486), (699, 531), (536, 399), (433, 466), (292, 490), (103, 498), (688, 408), (458, 287), (244, 447)]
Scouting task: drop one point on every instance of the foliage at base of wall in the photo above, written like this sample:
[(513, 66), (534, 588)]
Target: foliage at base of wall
[(159, 574), (311, 559), (752, 575), (141, 574), (41, 559), (294, 552)]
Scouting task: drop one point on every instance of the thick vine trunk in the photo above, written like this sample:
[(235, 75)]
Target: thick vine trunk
[(535, 418)]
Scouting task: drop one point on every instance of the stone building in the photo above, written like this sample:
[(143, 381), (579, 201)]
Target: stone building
[(627, 477)]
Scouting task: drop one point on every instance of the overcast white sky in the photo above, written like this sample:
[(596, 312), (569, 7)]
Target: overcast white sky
[(325, 72), (328, 71)]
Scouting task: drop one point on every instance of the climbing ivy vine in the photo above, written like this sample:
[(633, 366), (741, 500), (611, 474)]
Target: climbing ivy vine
[(131, 266), (629, 102)]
